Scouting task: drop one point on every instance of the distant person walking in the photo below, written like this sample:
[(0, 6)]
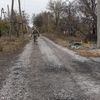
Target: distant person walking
[(35, 34)]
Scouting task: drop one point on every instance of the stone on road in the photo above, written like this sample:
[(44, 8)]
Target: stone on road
[(47, 72)]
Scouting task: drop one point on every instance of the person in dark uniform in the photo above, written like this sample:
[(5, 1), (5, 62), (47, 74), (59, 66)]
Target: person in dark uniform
[(35, 34)]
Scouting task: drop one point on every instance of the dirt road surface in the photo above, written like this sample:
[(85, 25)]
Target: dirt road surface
[(44, 71)]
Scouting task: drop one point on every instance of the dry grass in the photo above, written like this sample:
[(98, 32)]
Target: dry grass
[(57, 39), (89, 53), (8, 45), (86, 52)]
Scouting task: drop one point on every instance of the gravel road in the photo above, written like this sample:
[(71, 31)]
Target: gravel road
[(44, 71)]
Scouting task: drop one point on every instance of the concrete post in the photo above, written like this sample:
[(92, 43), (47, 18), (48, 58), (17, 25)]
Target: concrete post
[(98, 24)]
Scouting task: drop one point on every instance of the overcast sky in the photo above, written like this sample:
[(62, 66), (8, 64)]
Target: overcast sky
[(30, 6)]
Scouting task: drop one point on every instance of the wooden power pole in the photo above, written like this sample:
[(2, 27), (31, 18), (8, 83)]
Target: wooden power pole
[(19, 8), (12, 17), (21, 19)]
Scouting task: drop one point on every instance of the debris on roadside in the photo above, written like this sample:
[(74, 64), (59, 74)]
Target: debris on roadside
[(76, 45)]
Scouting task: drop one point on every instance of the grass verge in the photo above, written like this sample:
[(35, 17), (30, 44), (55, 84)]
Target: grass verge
[(10, 45), (63, 41)]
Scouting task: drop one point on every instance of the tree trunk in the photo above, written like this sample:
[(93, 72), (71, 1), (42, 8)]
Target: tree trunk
[(98, 26)]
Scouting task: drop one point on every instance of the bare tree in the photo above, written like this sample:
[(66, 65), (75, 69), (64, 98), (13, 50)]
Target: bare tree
[(56, 7), (89, 9), (70, 15)]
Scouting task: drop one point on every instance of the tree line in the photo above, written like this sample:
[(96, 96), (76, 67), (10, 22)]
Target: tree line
[(77, 18), (12, 23)]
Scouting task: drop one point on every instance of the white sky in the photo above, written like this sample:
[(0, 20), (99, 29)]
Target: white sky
[(30, 6)]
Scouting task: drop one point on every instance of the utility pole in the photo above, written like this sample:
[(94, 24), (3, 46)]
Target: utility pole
[(20, 26), (98, 24), (21, 19), (12, 9), (19, 7), (11, 18), (8, 11), (8, 14)]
